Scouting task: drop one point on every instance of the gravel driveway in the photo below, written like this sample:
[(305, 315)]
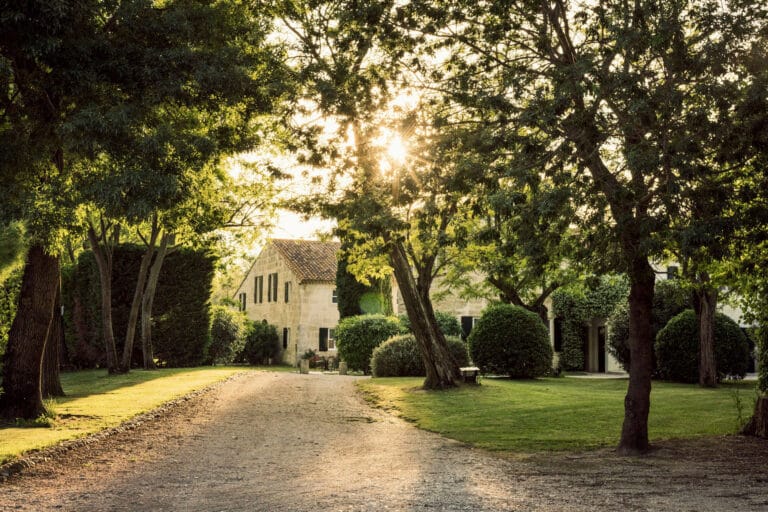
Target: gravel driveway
[(289, 442)]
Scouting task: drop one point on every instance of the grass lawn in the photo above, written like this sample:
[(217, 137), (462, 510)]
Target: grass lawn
[(557, 414), (96, 401)]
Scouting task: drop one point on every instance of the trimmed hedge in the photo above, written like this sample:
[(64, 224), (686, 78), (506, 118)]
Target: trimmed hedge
[(262, 343), (357, 336), (181, 310), (399, 356), (510, 340), (677, 348)]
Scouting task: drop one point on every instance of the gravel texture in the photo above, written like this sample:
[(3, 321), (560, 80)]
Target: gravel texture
[(290, 442)]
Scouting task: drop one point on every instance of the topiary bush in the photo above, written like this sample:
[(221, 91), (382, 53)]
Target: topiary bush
[(262, 343), (510, 340), (399, 356), (677, 348), (227, 335), (669, 299), (357, 336)]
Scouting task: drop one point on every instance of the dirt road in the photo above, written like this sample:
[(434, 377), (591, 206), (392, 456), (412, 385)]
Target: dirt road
[(289, 442)]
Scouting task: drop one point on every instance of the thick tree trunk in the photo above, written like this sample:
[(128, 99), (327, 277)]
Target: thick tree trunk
[(22, 363), (51, 381), (442, 370), (104, 263), (147, 301), (758, 424), (706, 305), (138, 294), (637, 403)]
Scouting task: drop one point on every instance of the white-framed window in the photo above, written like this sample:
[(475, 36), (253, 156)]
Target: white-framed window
[(332, 339), (335, 296)]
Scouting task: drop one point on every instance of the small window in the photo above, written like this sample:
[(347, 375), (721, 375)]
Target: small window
[(243, 297), (287, 291), (258, 289), (672, 272), (286, 336), (332, 339), (335, 297), (272, 287), (323, 342)]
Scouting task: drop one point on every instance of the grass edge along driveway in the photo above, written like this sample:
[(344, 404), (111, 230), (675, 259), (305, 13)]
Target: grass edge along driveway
[(96, 401), (559, 414)]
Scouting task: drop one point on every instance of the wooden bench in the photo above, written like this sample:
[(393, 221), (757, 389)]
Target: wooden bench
[(469, 374)]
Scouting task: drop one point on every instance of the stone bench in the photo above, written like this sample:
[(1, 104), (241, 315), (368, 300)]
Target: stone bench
[(469, 374)]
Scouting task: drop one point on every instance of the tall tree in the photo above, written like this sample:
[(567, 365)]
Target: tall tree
[(606, 100), (348, 57)]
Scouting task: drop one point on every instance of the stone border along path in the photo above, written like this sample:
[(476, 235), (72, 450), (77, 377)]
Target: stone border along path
[(290, 442)]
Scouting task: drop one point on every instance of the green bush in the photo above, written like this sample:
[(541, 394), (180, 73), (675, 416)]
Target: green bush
[(357, 336), (510, 340), (228, 332), (677, 348), (399, 356), (446, 322), (262, 343), (669, 299)]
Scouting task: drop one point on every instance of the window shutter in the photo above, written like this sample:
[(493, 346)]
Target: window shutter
[(323, 345)]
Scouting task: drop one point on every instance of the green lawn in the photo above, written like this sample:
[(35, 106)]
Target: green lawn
[(96, 401), (558, 414)]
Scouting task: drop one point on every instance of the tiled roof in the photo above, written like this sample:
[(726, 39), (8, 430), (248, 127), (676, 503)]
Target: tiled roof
[(309, 260)]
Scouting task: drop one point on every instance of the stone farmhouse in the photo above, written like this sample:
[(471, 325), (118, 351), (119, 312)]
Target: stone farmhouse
[(292, 285)]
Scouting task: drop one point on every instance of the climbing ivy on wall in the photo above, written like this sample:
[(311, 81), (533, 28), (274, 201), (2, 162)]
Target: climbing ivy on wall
[(576, 305)]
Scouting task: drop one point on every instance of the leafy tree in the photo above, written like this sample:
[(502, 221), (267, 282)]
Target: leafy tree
[(348, 57), (616, 103), (82, 84)]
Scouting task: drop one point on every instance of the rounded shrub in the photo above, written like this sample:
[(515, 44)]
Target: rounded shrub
[(677, 348), (510, 340), (399, 356), (447, 323), (227, 335), (261, 343), (357, 336)]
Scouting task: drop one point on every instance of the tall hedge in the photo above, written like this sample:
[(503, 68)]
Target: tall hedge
[(181, 311), (677, 348), (510, 340), (357, 336), (9, 295)]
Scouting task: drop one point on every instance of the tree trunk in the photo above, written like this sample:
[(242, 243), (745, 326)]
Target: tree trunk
[(138, 294), (705, 305), (442, 370), (637, 403), (51, 383), (104, 263), (758, 424), (22, 363), (147, 301)]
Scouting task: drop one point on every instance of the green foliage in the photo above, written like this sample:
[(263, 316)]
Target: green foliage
[(262, 343), (356, 298), (669, 300), (677, 348), (228, 334), (357, 336), (446, 322), (577, 305), (9, 294), (181, 315), (510, 340), (399, 356)]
